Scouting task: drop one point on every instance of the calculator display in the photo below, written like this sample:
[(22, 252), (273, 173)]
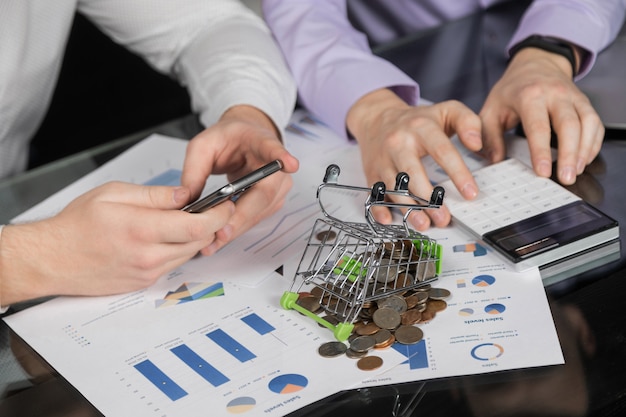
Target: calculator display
[(557, 227)]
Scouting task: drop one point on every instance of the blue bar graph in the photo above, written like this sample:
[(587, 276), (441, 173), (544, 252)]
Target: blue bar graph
[(230, 345), (160, 380), (416, 355), (258, 324), (199, 365)]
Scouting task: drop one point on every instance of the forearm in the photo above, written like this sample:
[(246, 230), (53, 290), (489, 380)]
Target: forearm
[(331, 62), (220, 50), (20, 261)]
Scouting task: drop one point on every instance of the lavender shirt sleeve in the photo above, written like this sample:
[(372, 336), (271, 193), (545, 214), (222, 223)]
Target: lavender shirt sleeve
[(332, 62), (589, 24)]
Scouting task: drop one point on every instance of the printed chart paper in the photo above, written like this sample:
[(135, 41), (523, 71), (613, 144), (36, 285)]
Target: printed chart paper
[(211, 337)]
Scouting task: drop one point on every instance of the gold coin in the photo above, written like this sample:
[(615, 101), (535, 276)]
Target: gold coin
[(437, 305), (367, 329), (369, 363), (411, 317)]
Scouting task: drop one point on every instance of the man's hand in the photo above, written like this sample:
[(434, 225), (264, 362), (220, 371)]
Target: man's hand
[(537, 90), (243, 140), (394, 136), (115, 238)]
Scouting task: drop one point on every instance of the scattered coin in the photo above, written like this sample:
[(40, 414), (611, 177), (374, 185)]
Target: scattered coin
[(408, 335), (362, 343), (369, 363), (395, 302), (332, 349), (438, 293), (352, 354), (387, 318)]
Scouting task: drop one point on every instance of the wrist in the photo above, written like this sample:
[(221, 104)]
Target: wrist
[(553, 46), (18, 275), (252, 115)]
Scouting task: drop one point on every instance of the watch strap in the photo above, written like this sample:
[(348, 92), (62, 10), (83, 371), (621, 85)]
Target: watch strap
[(548, 44)]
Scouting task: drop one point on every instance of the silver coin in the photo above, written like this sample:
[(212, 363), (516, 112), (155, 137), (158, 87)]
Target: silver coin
[(362, 343), (332, 349), (387, 318), (352, 354), (438, 293), (394, 302), (408, 335)]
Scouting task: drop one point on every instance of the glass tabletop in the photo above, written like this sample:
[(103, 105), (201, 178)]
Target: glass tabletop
[(587, 309)]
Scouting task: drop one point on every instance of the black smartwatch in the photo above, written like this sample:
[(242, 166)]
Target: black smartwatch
[(548, 44)]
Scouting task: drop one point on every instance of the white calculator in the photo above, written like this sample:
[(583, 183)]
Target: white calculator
[(530, 220)]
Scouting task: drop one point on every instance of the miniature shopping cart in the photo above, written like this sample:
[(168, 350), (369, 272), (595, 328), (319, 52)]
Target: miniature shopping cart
[(351, 265)]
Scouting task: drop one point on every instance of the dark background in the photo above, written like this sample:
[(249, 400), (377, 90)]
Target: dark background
[(104, 92)]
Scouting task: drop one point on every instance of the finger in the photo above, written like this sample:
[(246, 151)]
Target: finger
[(493, 134), (420, 185), (156, 197), (536, 123), (568, 130), (448, 158), (591, 137), (421, 219), (259, 202), (176, 226), (199, 161)]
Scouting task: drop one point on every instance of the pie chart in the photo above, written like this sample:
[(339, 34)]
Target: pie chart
[(240, 405), (483, 280), (288, 383), (495, 309)]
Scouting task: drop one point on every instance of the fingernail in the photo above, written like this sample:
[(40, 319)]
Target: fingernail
[(567, 175), (469, 191), (180, 195), (544, 168)]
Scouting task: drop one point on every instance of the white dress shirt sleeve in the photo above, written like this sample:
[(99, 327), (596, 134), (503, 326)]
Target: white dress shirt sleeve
[(219, 49)]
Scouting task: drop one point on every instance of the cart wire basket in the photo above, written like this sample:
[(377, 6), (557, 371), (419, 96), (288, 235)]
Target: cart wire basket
[(350, 265)]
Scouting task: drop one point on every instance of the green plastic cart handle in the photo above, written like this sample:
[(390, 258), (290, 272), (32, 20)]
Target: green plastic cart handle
[(341, 331)]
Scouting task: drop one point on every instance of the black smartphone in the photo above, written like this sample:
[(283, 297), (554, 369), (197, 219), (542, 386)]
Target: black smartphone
[(232, 190)]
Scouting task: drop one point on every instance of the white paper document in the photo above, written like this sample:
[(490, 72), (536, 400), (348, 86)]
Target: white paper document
[(210, 338)]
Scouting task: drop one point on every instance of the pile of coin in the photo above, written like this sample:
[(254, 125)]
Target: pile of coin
[(380, 323)]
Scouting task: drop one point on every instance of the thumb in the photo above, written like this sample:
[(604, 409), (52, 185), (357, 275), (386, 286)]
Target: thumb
[(158, 197)]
